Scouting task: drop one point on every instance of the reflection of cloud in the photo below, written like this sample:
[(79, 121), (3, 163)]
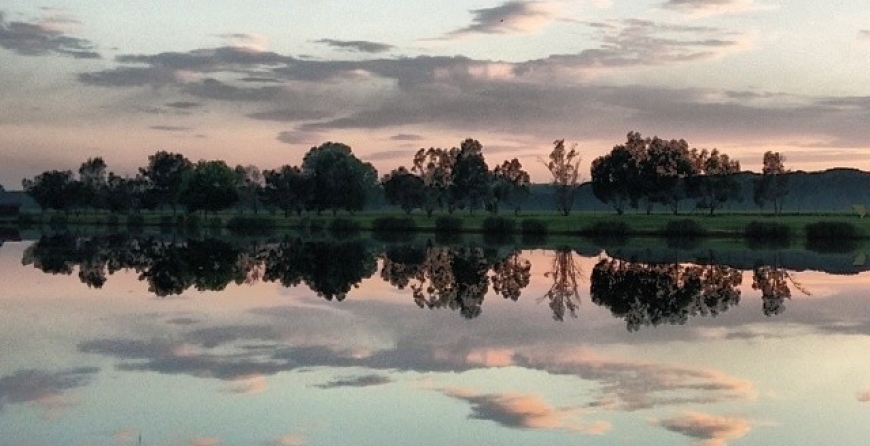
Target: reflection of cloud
[(44, 37), (248, 385), (524, 411), (359, 381), (864, 396), (509, 18), (47, 389), (289, 440), (711, 430), (205, 441)]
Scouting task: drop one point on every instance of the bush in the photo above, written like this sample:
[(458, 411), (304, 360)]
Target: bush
[(766, 230), (607, 228), (250, 225), (498, 225), (448, 225), (58, 221), (343, 226), (831, 236), (831, 230), (533, 226), (135, 221), (685, 227), (393, 224)]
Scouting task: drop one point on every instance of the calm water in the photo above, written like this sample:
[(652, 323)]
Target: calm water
[(106, 340)]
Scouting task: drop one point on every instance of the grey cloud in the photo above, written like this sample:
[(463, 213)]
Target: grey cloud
[(184, 104), (361, 46), (212, 337), (207, 60), (43, 38), (129, 77), (34, 385), (171, 128), (709, 7), (390, 155), (406, 137), (182, 321), (215, 89), (509, 17), (289, 115), (358, 381), (711, 430), (296, 137)]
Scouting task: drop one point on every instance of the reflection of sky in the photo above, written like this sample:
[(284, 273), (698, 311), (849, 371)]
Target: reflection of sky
[(258, 364)]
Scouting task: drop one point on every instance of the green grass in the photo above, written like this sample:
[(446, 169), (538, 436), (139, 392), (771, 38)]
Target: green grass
[(633, 224)]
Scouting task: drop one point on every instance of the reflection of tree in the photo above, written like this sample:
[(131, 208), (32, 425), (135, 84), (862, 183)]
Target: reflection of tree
[(773, 282), (645, 294), (329, 268), (563, 293), (207, 265), (455, 278)]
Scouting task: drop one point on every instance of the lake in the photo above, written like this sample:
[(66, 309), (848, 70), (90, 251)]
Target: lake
[(164, 340)]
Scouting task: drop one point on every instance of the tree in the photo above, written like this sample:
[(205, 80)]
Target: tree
[(404, 189), (616, 177), (250, 185), (715, 182), (470, 185), (52, 189), (664, 172), (92, 179), (286, 189), (435, 168), (772, 187), (164, 178), (564, 166), (339, 179), (510, 183), (209, 186), (121, 192)]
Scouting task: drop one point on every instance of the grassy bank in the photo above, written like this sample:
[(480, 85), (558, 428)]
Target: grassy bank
[(761, 226)]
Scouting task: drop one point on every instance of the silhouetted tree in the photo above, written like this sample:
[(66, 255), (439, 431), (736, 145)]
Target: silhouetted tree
[(209, 186), (164, 177), (93, 180), (564, 166), (664, 172), (53, 189), (773, 282), (510, 184), (287, 189), (470, 185), (715, 180), (249, 185), (772, 187), (404, 189), (339, 179), (616, 177), (435, 168), (563, 293), (511, 275)]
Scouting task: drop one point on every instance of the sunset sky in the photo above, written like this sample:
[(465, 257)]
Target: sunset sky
[(261, 81)]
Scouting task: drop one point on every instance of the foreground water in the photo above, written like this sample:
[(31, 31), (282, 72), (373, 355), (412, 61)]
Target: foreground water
[(121, 341)]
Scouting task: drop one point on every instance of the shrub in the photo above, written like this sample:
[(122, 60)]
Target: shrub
[(685, 227), (393, 224), (135, 221), (533, 226), (448, 225), (498, 225), (831, 230), (766, 230), (607, 228), (343, 226), (250, 225)]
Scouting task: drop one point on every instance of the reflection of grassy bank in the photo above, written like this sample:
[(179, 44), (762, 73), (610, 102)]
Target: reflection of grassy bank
[(590, 224)]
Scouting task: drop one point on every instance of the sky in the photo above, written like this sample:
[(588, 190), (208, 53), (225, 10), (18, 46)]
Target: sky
[(262, 81)]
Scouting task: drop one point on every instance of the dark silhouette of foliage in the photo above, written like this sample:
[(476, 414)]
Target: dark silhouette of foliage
[(714, 183), (164, 178), (209, 186), (404, 189), (470, 185), (339, 180), (287, 189), (772, 187), (564, 166), (435, 168), (509, 185), (564, 295), (53, 189)]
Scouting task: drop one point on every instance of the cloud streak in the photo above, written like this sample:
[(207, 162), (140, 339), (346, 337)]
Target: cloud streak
[(709, 430), (705, 8), (359, 46), (513, 17), (44, 37)]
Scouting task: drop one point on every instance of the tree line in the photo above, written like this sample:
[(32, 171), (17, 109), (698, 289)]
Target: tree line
[(641, 173)]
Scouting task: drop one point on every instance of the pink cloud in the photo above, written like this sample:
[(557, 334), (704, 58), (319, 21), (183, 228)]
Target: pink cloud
[(710, 430)]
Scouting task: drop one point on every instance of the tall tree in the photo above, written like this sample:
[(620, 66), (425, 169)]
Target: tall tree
[(617, 176), (339, 179), (666, 167), (715, 182), (121, 192), (510, 184), (250, 185), (52, 189), (92, 179), (471, 181), (772, 187), (164, 177), (435, 168), (404, 189), (564, 166), (286, 189), (209, 186)]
